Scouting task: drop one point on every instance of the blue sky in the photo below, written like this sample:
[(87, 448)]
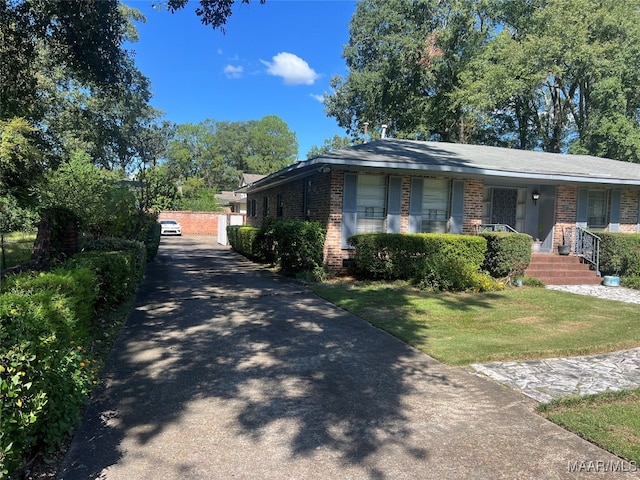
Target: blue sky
[(275, 59)]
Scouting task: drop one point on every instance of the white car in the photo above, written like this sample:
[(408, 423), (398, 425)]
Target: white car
[(170, 227)]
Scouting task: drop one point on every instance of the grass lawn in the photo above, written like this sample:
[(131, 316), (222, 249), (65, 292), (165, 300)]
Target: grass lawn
[(522, 323), (17, 248), (611, 420)]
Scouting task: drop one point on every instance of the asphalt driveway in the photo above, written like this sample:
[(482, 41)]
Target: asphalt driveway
[(225, 371)]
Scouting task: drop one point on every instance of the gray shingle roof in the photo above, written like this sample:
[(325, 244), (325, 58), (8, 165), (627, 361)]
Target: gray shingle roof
[(466, 161), (249, 178), (485, 161)]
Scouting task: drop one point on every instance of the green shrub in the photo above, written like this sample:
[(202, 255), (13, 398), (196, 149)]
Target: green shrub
[(232, 235), (117, 273), (532, 282), (265, 242), (631, 282), (298, 246), (60, 290), (620, 254), (508, 254), (47, 336), (115, 244), (245, 241), (407, 256), (45, 371), (152, 240), (451, 274)]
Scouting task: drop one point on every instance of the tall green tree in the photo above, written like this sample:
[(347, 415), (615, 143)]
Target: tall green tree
[(565, 72), (22, 163), (330, 144), (219, 152), (101, 199), (271, 145), (405, 58), (84, 38)]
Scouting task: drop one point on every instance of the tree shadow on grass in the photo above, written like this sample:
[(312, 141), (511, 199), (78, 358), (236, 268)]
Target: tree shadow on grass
[(253, 358)]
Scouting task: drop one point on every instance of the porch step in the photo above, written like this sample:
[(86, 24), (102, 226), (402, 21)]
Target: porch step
[(555, 269)]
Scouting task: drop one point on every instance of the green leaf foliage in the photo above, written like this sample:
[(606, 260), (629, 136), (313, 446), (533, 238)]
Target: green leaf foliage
[(424, 257), (557, 75), (45, 373), (508, 254), (218, 152), (48, 339), (620, 254), (243, 240), (298, 246)]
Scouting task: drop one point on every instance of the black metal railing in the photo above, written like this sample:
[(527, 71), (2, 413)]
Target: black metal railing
[(495, 227), (587, 246)]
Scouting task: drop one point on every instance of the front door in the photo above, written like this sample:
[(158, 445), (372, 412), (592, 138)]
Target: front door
[(504, 206)]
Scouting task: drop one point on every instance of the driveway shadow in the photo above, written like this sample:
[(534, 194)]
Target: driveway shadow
[(223, 367)]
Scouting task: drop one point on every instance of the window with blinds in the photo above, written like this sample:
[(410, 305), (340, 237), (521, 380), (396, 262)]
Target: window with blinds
[(371, 204), (436, 204), (598, 209)]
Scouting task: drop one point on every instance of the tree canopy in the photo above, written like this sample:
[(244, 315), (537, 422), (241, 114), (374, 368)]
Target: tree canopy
[(82, 38), (555, 75), (330, 144), (211, 12), (218, 152)]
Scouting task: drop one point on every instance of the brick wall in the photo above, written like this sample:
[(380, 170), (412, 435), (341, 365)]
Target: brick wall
[(566, 213), (194, 223), (325, 194), (473, 201), (629, 211), (334, 254)]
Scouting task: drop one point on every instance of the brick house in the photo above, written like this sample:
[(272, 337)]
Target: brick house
[(406, 186)]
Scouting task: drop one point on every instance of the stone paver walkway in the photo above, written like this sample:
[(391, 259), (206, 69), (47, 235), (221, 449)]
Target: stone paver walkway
[(621, 294), (545, 380)]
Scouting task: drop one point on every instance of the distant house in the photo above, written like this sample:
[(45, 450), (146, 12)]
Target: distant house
[(236, 202), (410, 186)]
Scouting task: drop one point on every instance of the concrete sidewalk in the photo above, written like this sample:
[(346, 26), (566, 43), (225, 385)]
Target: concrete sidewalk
[(225, 371)]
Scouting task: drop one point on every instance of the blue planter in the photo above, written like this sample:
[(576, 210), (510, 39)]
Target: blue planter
[(611, 281)]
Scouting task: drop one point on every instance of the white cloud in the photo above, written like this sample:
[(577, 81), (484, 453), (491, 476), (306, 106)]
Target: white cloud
[(232, 71), (292, 69), (319, 98)]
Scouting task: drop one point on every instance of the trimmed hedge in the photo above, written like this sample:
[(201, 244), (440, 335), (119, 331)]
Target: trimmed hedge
[(117, 274), (242, 239), (297, 246), (404, 256), (620, 254), (115, 244), (508, 254), (47, 336), (152, 240), (45, 367)]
